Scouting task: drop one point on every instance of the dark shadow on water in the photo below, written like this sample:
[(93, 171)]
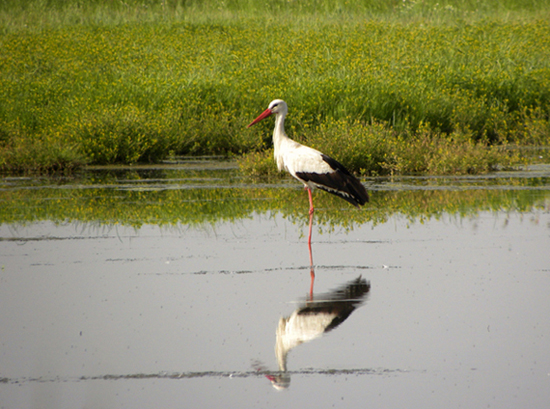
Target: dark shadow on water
[(255, 373)]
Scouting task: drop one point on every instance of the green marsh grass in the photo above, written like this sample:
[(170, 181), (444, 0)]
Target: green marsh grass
[(385, 86)]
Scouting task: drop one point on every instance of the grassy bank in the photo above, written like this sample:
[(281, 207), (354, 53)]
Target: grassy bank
[(387, 87)]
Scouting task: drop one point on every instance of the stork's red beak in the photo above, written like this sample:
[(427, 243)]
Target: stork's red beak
[(263, 115)]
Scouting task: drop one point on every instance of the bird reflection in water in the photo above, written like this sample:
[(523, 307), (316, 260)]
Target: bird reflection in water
[(313, 319)]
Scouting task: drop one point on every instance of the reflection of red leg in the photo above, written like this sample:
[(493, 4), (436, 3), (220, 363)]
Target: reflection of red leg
[(309, 240), (312, 272)]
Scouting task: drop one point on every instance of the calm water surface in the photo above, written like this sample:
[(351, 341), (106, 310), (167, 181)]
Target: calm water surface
[(187, 286)]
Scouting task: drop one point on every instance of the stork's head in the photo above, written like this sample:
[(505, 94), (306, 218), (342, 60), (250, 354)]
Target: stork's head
[(277, 107)]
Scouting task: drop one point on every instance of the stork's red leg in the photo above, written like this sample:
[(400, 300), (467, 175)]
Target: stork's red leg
[(311, 210)]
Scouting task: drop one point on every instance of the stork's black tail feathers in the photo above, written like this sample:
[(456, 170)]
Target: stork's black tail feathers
[(339, 182)]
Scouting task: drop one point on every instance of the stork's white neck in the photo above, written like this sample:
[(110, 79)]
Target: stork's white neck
[(279, 133)]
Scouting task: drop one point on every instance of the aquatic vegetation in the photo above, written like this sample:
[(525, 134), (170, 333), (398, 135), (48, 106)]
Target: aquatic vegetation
[(138, 84), (183, 197)]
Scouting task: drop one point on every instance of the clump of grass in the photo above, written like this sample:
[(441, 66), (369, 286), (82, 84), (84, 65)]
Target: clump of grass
[(456, 154), (258, 164), (377, 149), (39, 156), (123, 136)]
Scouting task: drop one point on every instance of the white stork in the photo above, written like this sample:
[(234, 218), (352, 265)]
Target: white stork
[(309, 166)]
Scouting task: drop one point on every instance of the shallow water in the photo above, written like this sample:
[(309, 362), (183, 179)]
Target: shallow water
[(166, 287)]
